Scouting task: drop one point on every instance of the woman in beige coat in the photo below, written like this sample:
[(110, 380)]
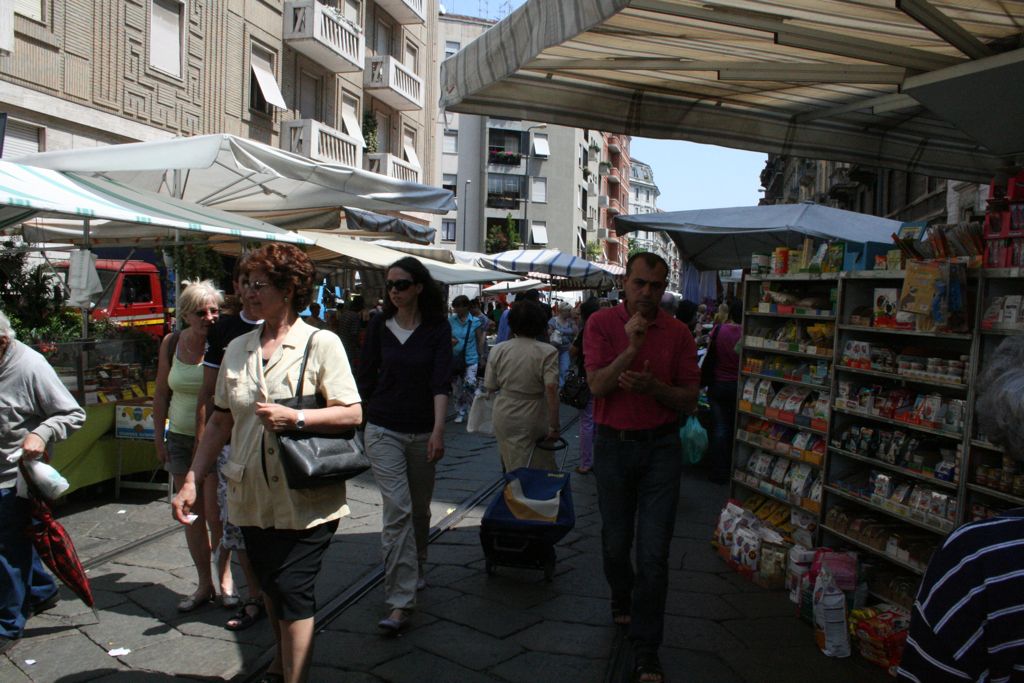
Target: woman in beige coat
[(524, 372)]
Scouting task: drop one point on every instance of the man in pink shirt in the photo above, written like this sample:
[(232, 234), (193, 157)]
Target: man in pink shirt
[(642, 370)]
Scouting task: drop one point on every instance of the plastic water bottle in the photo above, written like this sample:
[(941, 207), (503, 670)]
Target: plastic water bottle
[(51, 483)]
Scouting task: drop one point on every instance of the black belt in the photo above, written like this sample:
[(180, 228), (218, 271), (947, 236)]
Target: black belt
[(637, 434)]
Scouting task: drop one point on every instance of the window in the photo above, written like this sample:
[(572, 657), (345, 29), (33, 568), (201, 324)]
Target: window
[(450, 182), (20, 139), (448, 230), (412, 57), (382, 38), (135, 289), (504, 191), (383, 132), (451, 47), (539, 232), (409, 146), (350, 116), (263, 89), (350, 10), (540, 145), (539, 190), (166, 34), (33, 9), (309, 96), (451, 142)]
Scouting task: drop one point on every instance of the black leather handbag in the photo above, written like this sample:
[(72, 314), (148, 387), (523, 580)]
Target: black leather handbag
[(311, 460), (575, 391)]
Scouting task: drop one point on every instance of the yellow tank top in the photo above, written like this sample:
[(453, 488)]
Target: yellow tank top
[(185, 381)]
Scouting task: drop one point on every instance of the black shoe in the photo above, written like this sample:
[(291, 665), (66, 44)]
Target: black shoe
[(47, 604)]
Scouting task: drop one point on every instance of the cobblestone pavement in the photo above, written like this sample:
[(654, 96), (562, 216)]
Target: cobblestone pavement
[(469, 626)]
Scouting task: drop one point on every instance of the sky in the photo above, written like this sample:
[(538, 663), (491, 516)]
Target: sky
[(689, 175)]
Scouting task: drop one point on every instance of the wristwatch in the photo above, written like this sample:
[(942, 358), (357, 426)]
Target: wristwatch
[(300, 421)]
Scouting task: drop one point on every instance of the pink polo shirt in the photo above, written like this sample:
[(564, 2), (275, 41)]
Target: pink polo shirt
[(673, 359)]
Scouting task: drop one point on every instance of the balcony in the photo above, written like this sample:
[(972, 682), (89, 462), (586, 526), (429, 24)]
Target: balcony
[(393, 167), (614, 146), (602, 201), (499, 157), (603, 168), (393, 83), (613, 175), (503, 201), (405, 11), (320, 142), (592, 188), (322, 34), (591, 224), (614, 208)]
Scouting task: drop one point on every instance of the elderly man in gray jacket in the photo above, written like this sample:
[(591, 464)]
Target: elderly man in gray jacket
[(36, 409)]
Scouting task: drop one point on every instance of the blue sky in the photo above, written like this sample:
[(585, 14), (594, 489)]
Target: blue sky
[(689, 175)]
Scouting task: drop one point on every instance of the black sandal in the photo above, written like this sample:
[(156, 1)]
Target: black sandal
[(621, 612), (648, 664), (243, 618)]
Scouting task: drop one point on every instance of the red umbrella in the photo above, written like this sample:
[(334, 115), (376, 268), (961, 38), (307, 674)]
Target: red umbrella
[(52, 542)]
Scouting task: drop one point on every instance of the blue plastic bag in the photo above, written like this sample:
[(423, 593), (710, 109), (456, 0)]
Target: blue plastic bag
[(695, 440)]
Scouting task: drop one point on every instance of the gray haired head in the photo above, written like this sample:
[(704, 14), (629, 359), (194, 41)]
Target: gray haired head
[(5, 327), (1000, 404)]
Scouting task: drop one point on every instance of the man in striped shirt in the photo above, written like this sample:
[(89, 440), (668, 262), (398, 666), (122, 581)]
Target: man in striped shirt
[(968, 620)]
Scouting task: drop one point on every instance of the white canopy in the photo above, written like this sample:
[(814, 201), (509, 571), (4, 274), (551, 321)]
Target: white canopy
[(722, 239), (331, 247), (923, 87), (116, 213), (524, 285), (242, 175)]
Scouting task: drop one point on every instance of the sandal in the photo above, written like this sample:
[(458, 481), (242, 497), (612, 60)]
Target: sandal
[(648, 668), (621, 612), (244, 618), (392, 625), (195, 601), (230, 601)]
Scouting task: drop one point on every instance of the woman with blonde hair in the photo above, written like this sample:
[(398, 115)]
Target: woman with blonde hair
[(179, 377)]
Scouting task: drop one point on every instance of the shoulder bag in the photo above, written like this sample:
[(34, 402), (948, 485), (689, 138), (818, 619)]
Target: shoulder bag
[(575, 391), (310, 459), (707, 368)]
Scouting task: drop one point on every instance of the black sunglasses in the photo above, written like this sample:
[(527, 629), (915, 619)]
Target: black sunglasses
[(400, 285)]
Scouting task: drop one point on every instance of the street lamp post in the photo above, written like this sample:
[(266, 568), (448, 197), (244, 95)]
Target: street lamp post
[(529, 187)]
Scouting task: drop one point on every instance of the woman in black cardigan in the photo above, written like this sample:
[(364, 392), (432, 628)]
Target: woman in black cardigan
[(404, 374)]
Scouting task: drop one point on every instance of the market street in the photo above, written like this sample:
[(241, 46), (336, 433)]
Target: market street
[(470, 627)]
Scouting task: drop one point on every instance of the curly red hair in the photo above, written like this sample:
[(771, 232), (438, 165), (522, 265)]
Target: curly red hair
[(286, 266)]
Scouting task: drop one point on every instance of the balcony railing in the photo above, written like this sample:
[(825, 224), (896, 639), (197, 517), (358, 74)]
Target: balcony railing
[(323, 35), (613, 175), (405, 11), (393, 167), (500, 157), (614, 207), (503, 201), (320, 142), (393, 83), (614, 146)]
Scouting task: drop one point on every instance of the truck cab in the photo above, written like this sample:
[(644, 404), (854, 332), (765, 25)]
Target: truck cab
[(132, 296)]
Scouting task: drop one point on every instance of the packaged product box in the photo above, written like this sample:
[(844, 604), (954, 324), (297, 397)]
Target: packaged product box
[(134, 420), (886, 304), (1011, 310)]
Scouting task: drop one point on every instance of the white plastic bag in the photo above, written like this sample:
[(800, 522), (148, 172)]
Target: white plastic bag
[(481, 415), (830, 629), (48, 480)]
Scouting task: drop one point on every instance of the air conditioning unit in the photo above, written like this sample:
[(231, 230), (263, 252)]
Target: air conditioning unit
[(602, 233)]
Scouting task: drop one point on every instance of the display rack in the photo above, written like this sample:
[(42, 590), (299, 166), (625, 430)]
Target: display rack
[(953, 475)]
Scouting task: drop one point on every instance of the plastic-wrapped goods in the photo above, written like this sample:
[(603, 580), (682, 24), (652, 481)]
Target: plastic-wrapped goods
[(830, 630), (880, 637), (798, 564)]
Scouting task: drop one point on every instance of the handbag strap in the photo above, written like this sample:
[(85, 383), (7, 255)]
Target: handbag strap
[(302, 368), (465, 342)]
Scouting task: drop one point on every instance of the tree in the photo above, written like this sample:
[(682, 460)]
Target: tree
[(594, 250), (195, 261), (634, 246), (32, 297), (502, 237), (370, 132)]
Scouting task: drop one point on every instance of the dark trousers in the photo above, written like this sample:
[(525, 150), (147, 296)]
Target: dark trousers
[(722, 396), (24, 581), (638, 494)]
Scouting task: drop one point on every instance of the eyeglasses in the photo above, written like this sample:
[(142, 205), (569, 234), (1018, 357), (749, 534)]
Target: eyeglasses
[(256, 285), (400, 285)]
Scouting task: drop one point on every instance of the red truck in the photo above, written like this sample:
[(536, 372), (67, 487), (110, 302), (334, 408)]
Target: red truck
[(132, 295)]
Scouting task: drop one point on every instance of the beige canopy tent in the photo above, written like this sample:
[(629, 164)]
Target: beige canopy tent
[(921, 86), (359, 254)]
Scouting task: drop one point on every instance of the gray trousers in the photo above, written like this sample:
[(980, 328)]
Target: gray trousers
[(406, 483)]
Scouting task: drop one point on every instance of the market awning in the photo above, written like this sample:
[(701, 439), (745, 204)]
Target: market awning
[(524, 285), (116, 213), (723, 239), (368, 223), (351, 252), (535, 263), (907, 84), (236, 174)]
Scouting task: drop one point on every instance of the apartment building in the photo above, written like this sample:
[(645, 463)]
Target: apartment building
[(340, 81), (644, 199), (518, 183), (613, 201)]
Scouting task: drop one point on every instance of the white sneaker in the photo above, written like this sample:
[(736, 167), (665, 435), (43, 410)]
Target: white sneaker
[(460, 418)]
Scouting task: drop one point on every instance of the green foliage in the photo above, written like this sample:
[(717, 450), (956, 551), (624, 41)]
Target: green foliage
[(634, 246), (30, 296), (195, 261), (370, 132), (594, 250), (502, 237)]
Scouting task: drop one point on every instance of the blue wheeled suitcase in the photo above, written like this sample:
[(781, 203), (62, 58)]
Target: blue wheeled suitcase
[(531, 513)]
